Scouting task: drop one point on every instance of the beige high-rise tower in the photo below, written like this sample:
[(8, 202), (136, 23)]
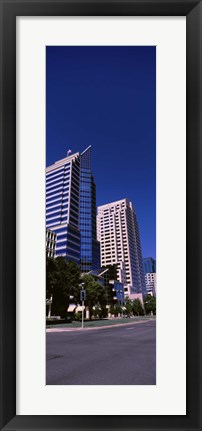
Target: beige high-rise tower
[(118, 233)]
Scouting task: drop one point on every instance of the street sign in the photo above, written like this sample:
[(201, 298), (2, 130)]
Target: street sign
[(82, 295)]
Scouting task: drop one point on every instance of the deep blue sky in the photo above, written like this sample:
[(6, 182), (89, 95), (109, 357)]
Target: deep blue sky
[(106, 97)]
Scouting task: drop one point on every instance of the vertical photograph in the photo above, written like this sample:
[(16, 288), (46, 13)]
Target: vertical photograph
[(101, 282)]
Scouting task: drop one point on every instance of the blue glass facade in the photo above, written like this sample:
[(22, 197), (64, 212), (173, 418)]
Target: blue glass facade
[(71, 209), (62, 203), (149, 265), (90, 248), (118, 289)]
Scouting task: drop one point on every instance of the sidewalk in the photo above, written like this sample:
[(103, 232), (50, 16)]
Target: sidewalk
[(99, 324)]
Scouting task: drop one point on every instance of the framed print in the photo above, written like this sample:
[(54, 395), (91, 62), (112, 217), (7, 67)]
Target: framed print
[(69, 75)]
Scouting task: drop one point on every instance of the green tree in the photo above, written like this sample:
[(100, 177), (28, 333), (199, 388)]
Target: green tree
[(137, 308), (117, 309), (111, 274), (128, 306), (95, 293), (150, 304), (111, 310), (50, 276), (97, 311), (62, 280)]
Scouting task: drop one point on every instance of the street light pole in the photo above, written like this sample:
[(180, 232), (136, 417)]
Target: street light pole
[(82, 325), (82, 298)]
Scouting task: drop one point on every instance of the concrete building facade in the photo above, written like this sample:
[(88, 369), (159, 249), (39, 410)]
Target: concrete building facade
[(150, 282), (118, 234)]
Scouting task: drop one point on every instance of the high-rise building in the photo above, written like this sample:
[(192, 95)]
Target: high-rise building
[(118, 233), (71, 209), (149, 264), (150, 275), (150, 282), (90, 247)]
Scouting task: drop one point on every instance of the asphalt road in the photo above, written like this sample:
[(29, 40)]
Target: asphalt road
[(124, 355)]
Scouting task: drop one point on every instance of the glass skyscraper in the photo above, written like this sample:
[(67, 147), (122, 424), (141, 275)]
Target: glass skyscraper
[(90, 247), (71, 209), (149, 265)]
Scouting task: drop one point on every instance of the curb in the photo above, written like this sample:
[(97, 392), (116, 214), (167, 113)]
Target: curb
[(49, 330)]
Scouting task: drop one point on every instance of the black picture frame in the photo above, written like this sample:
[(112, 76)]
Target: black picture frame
[(9, 11)]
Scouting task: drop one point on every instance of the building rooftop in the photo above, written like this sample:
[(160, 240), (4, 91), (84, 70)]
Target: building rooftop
[(126, 200)]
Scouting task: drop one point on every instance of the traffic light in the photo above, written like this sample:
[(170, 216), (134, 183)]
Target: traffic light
[(82, 295)]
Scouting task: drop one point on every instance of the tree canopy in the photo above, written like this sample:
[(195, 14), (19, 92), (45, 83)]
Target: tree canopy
[(95, 292), (150, 304), (62, 281), (128, 306), (137, 307)]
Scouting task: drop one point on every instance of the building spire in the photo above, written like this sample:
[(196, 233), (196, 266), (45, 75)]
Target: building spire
[(86, 158)]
